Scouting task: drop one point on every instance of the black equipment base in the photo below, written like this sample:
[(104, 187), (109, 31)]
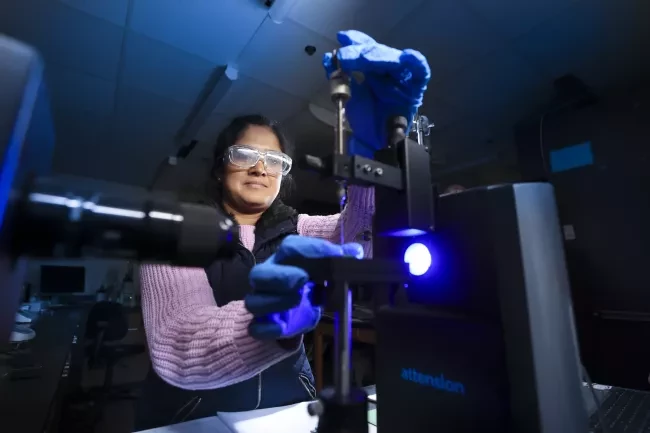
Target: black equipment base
[(330, 273), (352, 271), (341, 415)]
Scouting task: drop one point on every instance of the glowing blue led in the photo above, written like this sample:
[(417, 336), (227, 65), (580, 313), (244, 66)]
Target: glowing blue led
[(418, 258)]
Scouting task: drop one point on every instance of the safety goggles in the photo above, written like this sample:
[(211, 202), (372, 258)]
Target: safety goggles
[(275, 163)]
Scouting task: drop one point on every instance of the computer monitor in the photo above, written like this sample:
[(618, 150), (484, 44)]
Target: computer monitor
[(62, 279)]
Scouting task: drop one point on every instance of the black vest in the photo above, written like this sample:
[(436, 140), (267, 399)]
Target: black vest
[(287, 382)]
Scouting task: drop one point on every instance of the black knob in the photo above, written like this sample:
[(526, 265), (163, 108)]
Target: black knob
[(396, 127), (335, 59), (398, 122), (315, 408)]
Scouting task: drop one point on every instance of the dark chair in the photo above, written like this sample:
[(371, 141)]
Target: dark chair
[(108, 323)]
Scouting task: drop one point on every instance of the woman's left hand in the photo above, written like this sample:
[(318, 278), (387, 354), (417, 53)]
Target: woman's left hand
[(281, 301), (394, 84)]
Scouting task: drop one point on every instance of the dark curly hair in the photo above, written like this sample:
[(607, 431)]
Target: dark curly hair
[(228, 137)]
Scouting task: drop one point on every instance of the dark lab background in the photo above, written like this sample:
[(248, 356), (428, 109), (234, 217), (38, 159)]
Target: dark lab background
[(604, 209)]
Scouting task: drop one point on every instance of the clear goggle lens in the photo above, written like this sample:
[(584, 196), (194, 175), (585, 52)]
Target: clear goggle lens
[(246, 157)]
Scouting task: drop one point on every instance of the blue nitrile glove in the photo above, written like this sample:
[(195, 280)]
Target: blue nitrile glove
[(394, 85), (280, 301)]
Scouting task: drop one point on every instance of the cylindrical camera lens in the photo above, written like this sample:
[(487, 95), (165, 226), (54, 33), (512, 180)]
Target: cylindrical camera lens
[(59, 218)]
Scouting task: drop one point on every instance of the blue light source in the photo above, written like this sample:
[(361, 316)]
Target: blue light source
[(418, 258)]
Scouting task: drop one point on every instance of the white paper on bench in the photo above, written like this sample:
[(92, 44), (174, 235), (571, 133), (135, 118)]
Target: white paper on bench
[(284, 419), (203, 425)]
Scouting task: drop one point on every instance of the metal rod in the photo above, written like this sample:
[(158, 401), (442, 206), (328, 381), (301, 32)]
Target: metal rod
[(340, 89), (340, 93), (420, 130), (343, 343), (342, 194), (341, 149), (340, 127)]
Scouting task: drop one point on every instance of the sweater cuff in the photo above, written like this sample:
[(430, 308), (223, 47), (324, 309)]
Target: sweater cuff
[(251, 348), (290, 344), (361, 198)]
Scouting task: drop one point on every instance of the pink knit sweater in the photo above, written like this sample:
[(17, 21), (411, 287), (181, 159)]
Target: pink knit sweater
[(194, 344)]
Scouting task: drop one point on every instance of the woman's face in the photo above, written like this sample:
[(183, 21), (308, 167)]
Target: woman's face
[(253, 189)]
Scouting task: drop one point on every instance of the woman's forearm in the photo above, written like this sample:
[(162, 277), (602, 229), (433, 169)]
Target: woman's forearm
[(193, 343), (355, 220)]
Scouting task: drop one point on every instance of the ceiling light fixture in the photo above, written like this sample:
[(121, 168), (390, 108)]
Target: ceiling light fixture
[(279, 9)]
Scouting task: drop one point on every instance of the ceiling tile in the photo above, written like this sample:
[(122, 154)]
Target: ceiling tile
[(326, 17), (88, 146), (512, 18), (148, 119), (188, 177), (622, 41), (18, 19), (73, 90), (374, 17), (81, 143), (310, 135), (559, 45), (570, 39), (143, 133), (65, 36), (379, 17), (249, 96), (323, 98), (134, 165), (214, 30), (499, 84), (114, 11), (164, 70), (446, 32), (207, 135), (288, 68)]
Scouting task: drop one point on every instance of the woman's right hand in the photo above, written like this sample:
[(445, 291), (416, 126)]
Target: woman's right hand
[(280, 303), (394, 84)]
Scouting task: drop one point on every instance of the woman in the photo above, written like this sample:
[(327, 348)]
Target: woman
[(208, 351)]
